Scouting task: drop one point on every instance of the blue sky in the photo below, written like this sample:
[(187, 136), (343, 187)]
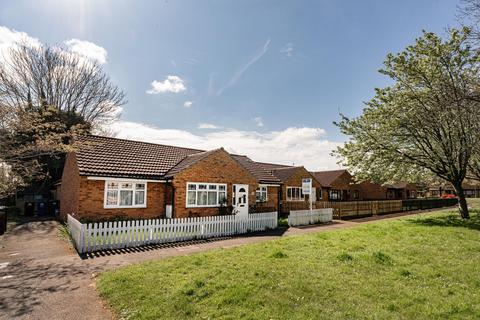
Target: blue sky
[(246, 75)]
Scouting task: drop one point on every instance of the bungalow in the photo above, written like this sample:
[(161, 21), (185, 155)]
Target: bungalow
[(110, 178), (291, 194), (340, 185), (471, 189), (396, 191)]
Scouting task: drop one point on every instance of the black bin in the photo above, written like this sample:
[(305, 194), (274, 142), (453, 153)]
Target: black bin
[(3, 220), (42, 208), (29, 209)]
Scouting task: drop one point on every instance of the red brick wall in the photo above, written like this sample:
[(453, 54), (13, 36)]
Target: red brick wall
[(219, 167), (345, 182), (272, 200), (91, 199), (69, 189), (295, 180), (372, 191)]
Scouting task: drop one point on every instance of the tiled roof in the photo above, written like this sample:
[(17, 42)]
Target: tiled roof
[(112, 157), (189, 161), (398, 185), (327, 177), (272, 166), (284, 173), (256, 169)]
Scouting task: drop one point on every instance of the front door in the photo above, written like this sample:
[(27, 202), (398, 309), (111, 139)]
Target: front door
[(240, 199)]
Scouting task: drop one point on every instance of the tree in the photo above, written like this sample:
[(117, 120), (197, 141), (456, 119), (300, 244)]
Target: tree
[(469, 16), (48, 95), (427, 123)]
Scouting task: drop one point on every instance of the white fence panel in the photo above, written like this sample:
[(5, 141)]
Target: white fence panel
[(121, 234), (306, 217)]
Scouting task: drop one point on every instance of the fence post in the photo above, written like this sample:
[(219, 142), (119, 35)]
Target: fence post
[(82, 239)]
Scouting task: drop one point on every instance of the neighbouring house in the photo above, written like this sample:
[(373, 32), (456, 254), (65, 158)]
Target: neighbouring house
[(471, 189), (339, 184), (110, 178), (291, 195), (396, 191)]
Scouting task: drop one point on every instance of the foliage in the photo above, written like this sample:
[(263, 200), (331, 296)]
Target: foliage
[(427, 123), (48, 96), (411, 268), (469, 15)]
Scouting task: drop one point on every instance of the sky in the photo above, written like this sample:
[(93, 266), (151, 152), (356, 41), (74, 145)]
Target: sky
[(262, 78)]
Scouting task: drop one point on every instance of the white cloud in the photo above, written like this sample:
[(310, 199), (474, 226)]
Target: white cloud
[(240, 71), (188, 104), (87, 49), (299, 146), (258, 121), (9, 38), (172, 84), (207, 126), (287, 50)]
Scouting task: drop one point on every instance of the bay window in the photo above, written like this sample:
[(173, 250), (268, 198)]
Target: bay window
[(125, 194), (206, 194), (261, 194)]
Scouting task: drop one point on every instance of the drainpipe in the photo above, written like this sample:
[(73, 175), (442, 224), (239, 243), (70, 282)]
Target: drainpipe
[(170, 184), (173, 201), (279, 200)]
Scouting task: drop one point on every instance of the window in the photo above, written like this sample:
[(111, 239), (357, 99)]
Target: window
[(335, 194), (125, 194), (295, 194), (318, 193), (206, 194), (261, 194), (356, 195)]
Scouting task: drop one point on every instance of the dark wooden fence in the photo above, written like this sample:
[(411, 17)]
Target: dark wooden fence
[(351, 209), (423, 204)]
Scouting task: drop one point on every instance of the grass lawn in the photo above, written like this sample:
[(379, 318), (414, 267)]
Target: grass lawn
[(412, 268)]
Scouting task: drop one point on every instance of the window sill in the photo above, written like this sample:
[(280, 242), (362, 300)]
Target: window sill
[(207, 206), (124, 207)]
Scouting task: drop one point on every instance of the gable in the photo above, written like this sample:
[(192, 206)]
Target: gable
[(212, 165), (299, 174), (327, 178)]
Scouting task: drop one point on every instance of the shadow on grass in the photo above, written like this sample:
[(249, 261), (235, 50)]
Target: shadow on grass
[(278, 232), (451, 220)]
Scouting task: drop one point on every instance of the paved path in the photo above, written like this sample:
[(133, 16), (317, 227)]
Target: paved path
[(42, 277)]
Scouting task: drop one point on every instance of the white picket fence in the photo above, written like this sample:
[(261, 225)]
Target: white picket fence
[(305, 217), (122, 234)]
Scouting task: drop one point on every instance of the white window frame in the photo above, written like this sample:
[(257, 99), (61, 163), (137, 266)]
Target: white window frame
[(187, 205), (259, 189), (338, 193), (118, 206), (302, 196)]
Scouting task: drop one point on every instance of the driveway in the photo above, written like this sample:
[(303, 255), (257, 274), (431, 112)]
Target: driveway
[(42, 277)]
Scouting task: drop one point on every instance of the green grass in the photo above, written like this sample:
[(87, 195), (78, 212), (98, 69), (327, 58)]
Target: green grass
[(413, 268)]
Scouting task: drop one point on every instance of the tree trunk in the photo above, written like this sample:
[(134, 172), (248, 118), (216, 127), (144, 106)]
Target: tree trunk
[(462, 201)]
